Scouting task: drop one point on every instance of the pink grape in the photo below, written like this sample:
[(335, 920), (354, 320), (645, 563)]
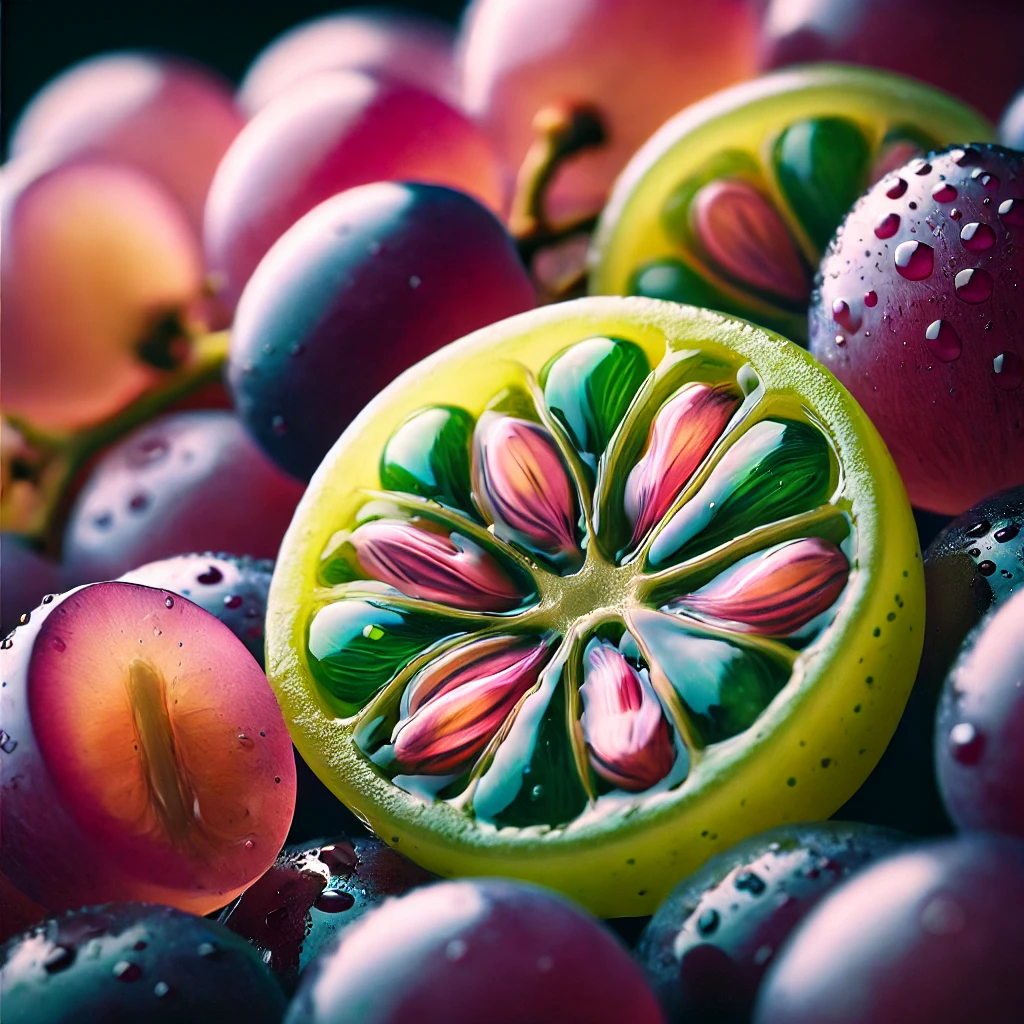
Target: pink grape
[(170, 117), (325, 135), (383, 43), (638, 62)]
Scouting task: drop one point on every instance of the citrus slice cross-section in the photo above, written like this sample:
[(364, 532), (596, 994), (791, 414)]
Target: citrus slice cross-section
[(732, 202), (595, 592)]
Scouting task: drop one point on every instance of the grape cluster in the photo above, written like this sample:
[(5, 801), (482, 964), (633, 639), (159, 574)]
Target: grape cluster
[(205, 287)]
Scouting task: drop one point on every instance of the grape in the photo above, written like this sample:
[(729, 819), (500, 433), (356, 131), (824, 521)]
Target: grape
[(638, 63), (313, 893), (135, 962), (930, 934), (232, 588), (327, 134), (979, 730), (708, 946), (910, 36), (189, 481), (94, 256), (383, 43), (25, 578), (475, 950), (145, 756), (1011, 127), (362, 287), (917, 315), (171, 118)]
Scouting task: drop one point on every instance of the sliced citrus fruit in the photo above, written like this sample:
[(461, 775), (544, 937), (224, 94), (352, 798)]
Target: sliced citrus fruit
[(732, 202), (594, 593)]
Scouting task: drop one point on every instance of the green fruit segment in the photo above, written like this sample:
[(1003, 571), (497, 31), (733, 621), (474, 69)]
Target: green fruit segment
[(822, 166)]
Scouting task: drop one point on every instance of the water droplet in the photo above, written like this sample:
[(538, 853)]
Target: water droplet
[(965, 156), (58, 644), (139, 502), (977, 237), (870, 299), (208, 950), (1012, 211), (24, 618), (49, 598), (334, 901), (914, 260), (840, 341), (249, 844), (6, 644), (843, 315), (372, 632), (125, 970), (986, 568), (708, 922), (157, 632), (456, 949), (896, 188), (973, 285), (7, 744), (989, 182), (979, 529), (161, 989), (1006, 534), (210, 576), (966, 743), (233, 601), (168, 601), (278, 426), (920, 166), (943, 341), (58, 959), (246, 742), (887, 226), (747, 881), (1009, 370), (340, 858), (537, 792), (944, 192), (955, 214)]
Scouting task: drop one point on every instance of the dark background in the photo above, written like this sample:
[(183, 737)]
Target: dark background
[(40, 38)]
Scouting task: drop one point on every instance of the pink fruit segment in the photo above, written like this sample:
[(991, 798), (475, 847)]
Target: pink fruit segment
[(628, 737)]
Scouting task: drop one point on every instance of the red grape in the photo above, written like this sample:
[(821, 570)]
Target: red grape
[(476, 950), (638, 62), (979, 731), (362, 287), (1011, 127), (171, 118), (145, 756), (918, 314), (327, 134), (190, 481), (920, 38), (383, 43), (25, 578), (931, 934), (93, 256)]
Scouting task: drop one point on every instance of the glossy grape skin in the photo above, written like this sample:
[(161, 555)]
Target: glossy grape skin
[(189, 481), (914, 37), (638, 63), (917, 314), (93, 256), (1011, 127), (383, 43), (979, 730), (25, 578), (327, 134), (171, 118), (145, 756), (135, 961), (313, 893), (361, 288), (708, 946), (930, 934), (485, 949)]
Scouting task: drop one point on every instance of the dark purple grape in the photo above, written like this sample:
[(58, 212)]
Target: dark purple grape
[(134, 962), (917, 37), (26, 577), (475, 950), (1011, 127), (931, 934), (708, 946), (189, 481), (979, 730), (917, 312), (973, 565), (231, 587), (313, 893), (362, 287)]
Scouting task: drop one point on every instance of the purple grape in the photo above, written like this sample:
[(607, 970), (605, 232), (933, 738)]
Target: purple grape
[(1011, 127), (313, 893), (979, 730), (930, 934), (362, 287), (135, 962), (475, 950), (25, 579), (916, 37), (708, 946), (189, 481)]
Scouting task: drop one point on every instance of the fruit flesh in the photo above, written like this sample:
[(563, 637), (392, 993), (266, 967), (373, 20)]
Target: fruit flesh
[(661, 834)]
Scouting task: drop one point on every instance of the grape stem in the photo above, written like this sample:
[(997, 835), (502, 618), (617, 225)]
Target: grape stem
[(41, 466), (562, 130)]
